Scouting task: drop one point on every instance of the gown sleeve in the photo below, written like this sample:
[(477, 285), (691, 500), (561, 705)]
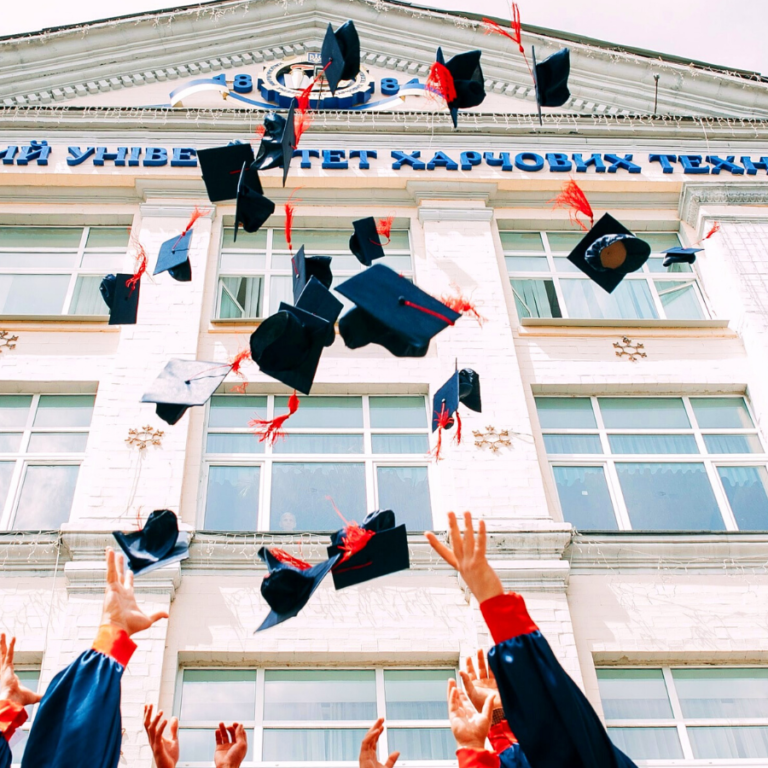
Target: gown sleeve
[(506, 746), (477, 758), (12, 716), (78, 720), (550, 716)]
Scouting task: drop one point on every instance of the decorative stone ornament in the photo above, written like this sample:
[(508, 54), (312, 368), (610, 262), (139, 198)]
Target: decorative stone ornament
[(629, 349), (144, 437), (491, 438), (7, 341)]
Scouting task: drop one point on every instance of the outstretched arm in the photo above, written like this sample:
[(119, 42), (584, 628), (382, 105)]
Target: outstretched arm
[(164, 748), (231, 746), (368, 756)]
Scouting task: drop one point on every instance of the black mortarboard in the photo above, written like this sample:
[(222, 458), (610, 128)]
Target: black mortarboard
[(467, 80), (680, 256), (221, 167), (183, 384), (157, 544), (551, 79), (366, 243), (391, 311), (318, 300), (605, 233), (287, 346), (306, 267), (253, 208), (278, 142), (385, 552), (340, 54), (287, 588), (469, 389), (462, 387), (174, 257), (122, 299)]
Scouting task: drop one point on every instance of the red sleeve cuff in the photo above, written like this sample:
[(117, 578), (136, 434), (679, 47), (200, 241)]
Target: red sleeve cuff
[(12, 716), (501, 737), (507, 617), (114, 642), (477, 758)]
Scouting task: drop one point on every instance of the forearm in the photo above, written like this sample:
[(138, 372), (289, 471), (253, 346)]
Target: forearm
[(114, 641), (506, 616), (477, 758)]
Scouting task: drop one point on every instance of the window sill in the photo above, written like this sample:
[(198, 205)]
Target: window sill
[(549, 322), (28, 322)]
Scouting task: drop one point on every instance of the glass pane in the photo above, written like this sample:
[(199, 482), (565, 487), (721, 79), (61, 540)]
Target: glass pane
[(320, 695), (398, 412), (535, 298), (257, 240), (238, 443), (198, 745), (218, 694), (245, 262), (333, 412), (660, 241), (648, 743), (293, 443), (18, 746), (232, 503), (14, 410), (108, 237), (563, 266), (417, 694), (679, 300), (669, 497), (236, 411), (745, 488), (40, 237), (46, 498), (239, 297), (86, 299), (32, 294), (527, 264), (631, 300), (422, 743), (400, 443), (564, 241), (6, 472), (653, 444), (521, 241), (721, 412), (10, 442), (584, 498), (656, 265), (64, 411), (729, 743), (733, 444), (58, 442), (399, 264), (304, 745), (300, 495), (722, 693), (406, 490), (280, 290), (26, 260), (634, 694), (313, 239), (562, 444), (643, 413), (565, 413)]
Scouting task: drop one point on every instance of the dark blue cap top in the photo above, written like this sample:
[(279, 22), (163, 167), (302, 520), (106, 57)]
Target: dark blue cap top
[(446, 400), (551, 79), (680, 256), (305, 267), (122, 299), (366, 243), (340, 54), (468, 81), (174, 258), (221, 167), (158, 543)]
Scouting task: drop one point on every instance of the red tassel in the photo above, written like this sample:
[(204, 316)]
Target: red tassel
[(440, 82), (573, 198), (715, 229), (492, 27), (302, 119), (196, 214), (260, 131), (457, 436), (355, 537), (289, 559), (269, 429), (141, 268), (384, 228), (463, 305), (289, 211), (238, 360), (444, 420)]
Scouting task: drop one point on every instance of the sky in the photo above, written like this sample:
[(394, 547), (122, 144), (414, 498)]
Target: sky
[(726, 32)]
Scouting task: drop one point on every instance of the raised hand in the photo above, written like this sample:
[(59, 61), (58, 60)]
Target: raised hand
[(120, 607), (470, 727), (480, 685), (10, 687), (467, 556), (165, 749), (231, 746), (368, 757)]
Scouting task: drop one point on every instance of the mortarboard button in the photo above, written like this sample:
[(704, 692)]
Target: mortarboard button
[(317, 299), (551, 79), (157, 544), (306, 267), (278, 142), (467, 81), (365, 244), (122, 299), (252, 208), (340, 54), (607, 243), (469, 389), (174, 258), (183, 384), (221, 167), (680, 256)]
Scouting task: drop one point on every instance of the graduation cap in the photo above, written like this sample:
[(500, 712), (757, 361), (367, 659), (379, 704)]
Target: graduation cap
[(391, 311), (608, 252), (462, 387), (289, 585), (278, 142), (375, 548), (174, 253), (306, 267), (463, 86), (317, 299), (121, 298), (550, 78), (253, 208), (221, 167), (157, 544), (340, 54), (183, 384), (365, 243), (680, 256)]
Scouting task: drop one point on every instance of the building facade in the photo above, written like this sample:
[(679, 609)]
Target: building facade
[(620, 460)]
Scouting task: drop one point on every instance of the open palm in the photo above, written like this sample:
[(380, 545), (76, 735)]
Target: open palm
[(368, 756), (164, 748), (481, 684), (231, 746), (470, 727), (10, 687)]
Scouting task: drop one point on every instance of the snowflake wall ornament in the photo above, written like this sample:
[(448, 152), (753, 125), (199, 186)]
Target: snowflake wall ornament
[(627, 348), (7, 341), (144, 437), (491, 438)]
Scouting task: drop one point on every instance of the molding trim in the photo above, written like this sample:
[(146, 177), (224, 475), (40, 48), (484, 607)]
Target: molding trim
[(694, 196), (455, 214), (24, 553), (88, 578), (157, 209)]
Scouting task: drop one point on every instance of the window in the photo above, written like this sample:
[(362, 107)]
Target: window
[(546, 284), (717, 713), (656, 463), (57, 270), (316, 715), (255, 271), (42, 443), (29, 678), (359, 453)]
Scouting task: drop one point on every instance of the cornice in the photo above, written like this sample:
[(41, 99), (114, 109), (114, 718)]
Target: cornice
[(88, 578), (455, 214), (694, 196), (27, 553)]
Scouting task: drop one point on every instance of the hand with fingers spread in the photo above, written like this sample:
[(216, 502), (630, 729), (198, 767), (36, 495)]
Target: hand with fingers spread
[(368, 756), (481, 684), (120, 607), (467, 556), (11, 688), (470, 726), (164, 748), (231, 746)]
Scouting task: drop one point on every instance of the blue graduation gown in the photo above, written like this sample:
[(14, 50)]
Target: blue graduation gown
[(5, 753), (549, 715), (513, 757)]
